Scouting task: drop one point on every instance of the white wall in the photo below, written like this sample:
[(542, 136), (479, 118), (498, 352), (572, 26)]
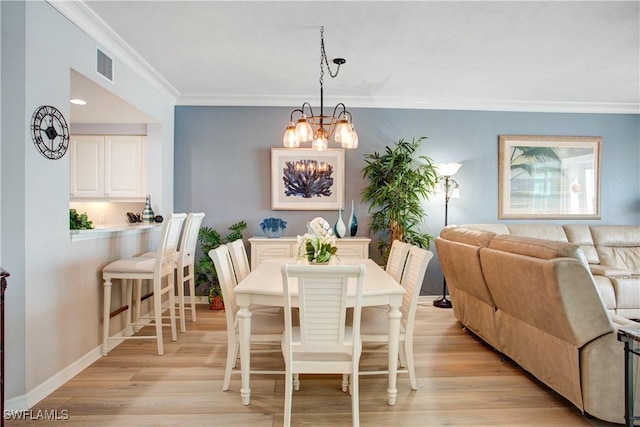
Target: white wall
[(54, 296)]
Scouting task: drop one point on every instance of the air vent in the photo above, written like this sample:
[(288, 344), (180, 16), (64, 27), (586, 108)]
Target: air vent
[(104, 65)]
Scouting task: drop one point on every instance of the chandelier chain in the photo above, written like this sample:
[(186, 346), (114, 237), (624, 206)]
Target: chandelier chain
[(324, 60)]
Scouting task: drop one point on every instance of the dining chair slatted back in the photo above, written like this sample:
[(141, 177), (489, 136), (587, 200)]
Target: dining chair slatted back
[(374, 323), (322, 343), (397, 259), (239, 259), (154, 269), (267, 328)]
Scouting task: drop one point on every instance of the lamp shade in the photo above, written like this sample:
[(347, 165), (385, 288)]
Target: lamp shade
[(447, 169)]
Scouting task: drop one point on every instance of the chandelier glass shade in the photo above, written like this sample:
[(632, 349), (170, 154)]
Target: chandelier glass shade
[(319, 129)]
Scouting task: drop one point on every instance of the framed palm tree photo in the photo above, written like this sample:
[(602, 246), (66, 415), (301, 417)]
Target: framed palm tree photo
[(549, 177)]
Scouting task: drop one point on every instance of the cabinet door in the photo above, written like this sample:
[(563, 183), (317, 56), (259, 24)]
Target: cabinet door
[(261, 251), (352, 249), (124, 174), (86, 173)]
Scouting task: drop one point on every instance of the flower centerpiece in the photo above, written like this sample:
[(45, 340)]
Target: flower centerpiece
[(318, 243)]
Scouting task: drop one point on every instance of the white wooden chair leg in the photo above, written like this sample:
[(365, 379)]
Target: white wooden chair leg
[(408, 344), (157, 315), (296, 382), (106, 315), (192, 296), (288, 397), (172, 306), (232, 358), (183, 327), (345, 383), (138, 299)]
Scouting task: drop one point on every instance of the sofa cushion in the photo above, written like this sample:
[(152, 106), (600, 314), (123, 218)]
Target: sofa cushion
[(496, 228), (539, 231), (618, 246), (538, 248), (467, 236), (581, 235)]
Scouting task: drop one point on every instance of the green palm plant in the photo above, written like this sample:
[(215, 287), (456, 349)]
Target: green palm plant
[(399, 182), (209, 238), (525, 159)]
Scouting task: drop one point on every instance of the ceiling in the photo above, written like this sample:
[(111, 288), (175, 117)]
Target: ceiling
[(487, 55)]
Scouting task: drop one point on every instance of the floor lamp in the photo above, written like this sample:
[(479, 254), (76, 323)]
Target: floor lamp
[(451, 190)]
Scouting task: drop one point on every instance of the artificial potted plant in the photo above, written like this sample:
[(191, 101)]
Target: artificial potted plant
[(399, 180), (205, 270)]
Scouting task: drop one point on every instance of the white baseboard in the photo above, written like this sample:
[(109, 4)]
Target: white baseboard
[(35, 395)]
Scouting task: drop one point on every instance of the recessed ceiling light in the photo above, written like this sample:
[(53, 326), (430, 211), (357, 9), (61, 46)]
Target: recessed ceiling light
[(78, 101)]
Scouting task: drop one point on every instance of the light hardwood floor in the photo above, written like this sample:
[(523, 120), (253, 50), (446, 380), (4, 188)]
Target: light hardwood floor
[(462, 382)]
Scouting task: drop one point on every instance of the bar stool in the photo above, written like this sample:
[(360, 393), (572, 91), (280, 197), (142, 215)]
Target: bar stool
[(146, 268), (185, 267)]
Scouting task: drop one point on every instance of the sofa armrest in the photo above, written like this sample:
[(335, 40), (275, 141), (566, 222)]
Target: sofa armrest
[(608, 271)]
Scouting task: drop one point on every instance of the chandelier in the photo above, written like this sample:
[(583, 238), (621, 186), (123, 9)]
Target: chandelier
[(318, 129)]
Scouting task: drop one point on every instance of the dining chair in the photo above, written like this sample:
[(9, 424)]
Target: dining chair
[(397, 258), (322, 343), (266, 327), (375, 323), (185, 267), (239, 259), (154, 269)]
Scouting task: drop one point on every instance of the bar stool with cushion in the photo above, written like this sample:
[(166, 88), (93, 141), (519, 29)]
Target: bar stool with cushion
[(185, 267), (186, 264), (146, 268)]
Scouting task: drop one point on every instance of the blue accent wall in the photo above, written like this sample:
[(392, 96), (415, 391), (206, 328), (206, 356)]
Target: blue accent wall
[(222, 163)]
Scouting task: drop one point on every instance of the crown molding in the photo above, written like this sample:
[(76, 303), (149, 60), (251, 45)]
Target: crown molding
[(86, 20), (417, 103)]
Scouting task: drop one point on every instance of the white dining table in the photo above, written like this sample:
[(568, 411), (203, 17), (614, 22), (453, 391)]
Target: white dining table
[(264, 286)]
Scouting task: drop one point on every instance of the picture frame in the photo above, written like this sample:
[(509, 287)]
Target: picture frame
[(307, 179), (549, 177)]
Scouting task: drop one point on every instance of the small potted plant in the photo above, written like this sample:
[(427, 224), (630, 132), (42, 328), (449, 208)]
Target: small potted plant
[(318, 244), (205, 270)]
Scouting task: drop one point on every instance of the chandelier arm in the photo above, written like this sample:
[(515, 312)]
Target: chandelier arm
[(298, 110), (309, 107), (344, 110)]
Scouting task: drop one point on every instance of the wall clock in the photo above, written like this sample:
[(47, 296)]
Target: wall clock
[(50, 132)]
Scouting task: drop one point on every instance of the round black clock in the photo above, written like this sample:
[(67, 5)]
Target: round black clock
[(50, 132)]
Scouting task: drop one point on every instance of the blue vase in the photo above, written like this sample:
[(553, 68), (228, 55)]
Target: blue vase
[(339, 229), (353, 222)]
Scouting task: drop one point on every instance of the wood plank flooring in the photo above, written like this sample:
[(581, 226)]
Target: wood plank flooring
[(462, 382)]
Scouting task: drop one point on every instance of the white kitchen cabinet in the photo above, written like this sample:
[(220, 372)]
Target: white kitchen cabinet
[(287, 247), (109, 166)]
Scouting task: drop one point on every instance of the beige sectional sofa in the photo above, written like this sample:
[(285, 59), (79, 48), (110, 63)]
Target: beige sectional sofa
[(551, 298)]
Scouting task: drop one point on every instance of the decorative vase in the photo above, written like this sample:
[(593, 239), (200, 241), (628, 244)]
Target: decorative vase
[(353, 222), (147, 214), (339, 229)]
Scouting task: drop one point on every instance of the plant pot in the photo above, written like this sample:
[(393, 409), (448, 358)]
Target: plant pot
[(216, 303)]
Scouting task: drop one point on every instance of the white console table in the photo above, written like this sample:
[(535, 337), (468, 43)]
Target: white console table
[(287, 247)]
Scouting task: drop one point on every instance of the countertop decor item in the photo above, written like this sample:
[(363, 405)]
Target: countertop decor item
[(318, 244), (147, 214), (79, 221), (273, 227)]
